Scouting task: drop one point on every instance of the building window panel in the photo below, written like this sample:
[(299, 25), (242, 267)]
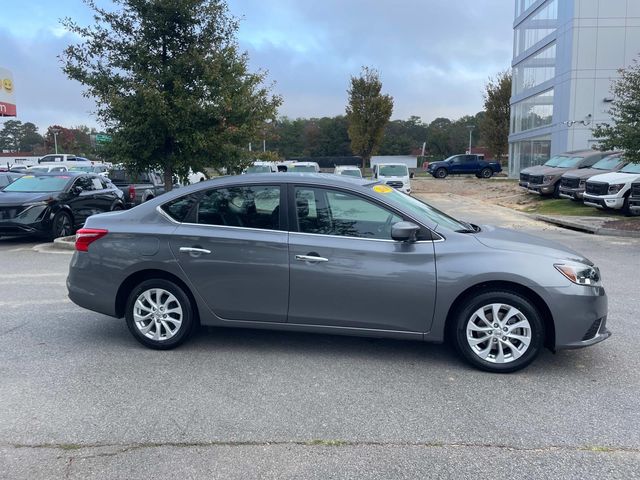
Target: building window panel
[(533, 112), (535, 70), (523, 5), (542, 23), (530, 152)]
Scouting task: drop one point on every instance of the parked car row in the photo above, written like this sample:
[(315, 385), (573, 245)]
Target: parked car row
[(599, 179)]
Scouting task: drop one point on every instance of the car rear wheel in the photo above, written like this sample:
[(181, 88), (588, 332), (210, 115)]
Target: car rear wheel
[(159, 314), (499, 332), (441, 173), (486, 173), (61, 225)]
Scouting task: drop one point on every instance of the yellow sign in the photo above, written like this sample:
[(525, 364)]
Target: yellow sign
[(7, 94), (382, 189)]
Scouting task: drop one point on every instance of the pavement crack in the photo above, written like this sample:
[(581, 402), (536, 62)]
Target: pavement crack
[(113, 449)]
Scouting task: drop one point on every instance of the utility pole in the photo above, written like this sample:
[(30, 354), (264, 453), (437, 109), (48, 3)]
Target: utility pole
[(55, 132), (470, 127)]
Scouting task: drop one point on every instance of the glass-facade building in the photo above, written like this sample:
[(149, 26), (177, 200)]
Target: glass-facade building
[(565, 54)]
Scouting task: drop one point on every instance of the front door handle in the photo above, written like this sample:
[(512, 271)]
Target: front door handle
[(311, 258), (194, 250)]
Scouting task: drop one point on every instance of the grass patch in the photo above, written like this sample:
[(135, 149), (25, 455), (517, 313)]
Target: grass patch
[(566, 207)]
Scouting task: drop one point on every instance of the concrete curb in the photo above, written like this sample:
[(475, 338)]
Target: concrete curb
[(65, 243), (568, 223)]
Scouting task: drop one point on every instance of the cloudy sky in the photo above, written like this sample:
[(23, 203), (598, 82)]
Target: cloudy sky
[(434, 56)]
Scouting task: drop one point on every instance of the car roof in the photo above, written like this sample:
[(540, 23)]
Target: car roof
[(64, 174)]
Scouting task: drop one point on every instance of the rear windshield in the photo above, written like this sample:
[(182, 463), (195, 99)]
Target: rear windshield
[(351, 173), (302, 168), (394, 171), (30, 183), (570, 162), (608, 163), (122, 176), (631, 168), (81, 169), (259, 169)]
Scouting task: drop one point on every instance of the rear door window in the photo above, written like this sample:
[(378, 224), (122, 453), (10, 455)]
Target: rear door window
[(254, 206)]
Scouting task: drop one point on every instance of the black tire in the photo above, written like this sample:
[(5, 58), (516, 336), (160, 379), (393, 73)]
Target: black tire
[(150, 197), (626, 208), (61, 226), (116, 207), (466, 313), (556, 190), (486, 173), (441, 173), (181, 298)]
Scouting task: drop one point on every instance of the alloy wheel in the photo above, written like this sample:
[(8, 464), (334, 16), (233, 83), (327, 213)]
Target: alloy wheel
[(498, 333), (62, 226), (157, 314)]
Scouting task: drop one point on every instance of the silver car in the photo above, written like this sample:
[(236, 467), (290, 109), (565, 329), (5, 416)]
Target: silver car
[(339, 255)]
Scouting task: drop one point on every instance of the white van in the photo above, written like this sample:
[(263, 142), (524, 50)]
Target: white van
[(395, 175), (62, 157)]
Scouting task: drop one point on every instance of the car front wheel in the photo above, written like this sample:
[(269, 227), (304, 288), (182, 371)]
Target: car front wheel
[(61, 225), (499, 332), (441, 173), (486, 173), (159, 314)]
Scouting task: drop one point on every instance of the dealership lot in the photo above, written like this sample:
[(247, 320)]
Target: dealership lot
[(81, 398)]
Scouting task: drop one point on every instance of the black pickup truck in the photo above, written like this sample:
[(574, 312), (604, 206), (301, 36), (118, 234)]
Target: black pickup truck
[(137, 188)]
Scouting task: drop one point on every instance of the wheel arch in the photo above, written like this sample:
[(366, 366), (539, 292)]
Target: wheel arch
[(526, 292), (140, 276)]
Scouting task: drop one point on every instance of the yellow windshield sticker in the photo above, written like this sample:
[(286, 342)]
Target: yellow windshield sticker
[(382, 189)]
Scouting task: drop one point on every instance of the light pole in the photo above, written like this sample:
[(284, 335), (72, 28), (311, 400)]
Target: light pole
[(470, 127), (55, 132)]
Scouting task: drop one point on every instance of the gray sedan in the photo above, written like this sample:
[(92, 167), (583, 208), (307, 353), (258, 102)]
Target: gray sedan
[(339, 255)]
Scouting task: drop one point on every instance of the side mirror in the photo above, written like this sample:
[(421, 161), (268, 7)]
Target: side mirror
[(404, 231), (411, 174), (76, 190)]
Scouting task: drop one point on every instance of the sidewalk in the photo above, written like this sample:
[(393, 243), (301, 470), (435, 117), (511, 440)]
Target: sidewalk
[(595, 225)]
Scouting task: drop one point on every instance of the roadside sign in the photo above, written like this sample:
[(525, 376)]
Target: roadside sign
[(7, 94), (103, 138)]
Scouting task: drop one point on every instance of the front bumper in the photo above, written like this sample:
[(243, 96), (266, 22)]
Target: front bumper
[(603, 201), (26, 225), (579, 314), (634, 205), (572, 193), (542, 189)]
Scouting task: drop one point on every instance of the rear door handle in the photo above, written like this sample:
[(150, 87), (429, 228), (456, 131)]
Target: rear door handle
[(311, 258), (194, 250)]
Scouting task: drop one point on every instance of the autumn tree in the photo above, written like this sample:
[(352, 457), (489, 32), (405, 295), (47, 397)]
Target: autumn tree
[(368, 112), (495, 123), (170, 83), (623, 131)]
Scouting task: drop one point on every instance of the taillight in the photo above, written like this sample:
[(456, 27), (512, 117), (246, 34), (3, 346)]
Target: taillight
[(86, 236), (132, 192)]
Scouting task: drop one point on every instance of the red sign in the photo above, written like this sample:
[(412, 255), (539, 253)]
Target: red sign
[(7, 110)]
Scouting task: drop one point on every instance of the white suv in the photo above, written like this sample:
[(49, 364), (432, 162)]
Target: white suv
[(612, 190), (395, 175)]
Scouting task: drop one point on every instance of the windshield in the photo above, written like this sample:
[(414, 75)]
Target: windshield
[(81, 169), (393, 171), (351, 173), (631, 168), (302, 168), (42, 184), (608, 163), (570, 162), (259, 169), (422, 212), (554, 161)]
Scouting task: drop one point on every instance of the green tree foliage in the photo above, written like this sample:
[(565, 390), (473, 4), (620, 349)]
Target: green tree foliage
[(624, 131), (368, 112), (302, 137), (170, 83), (402, 137), (495, 124), (16, 136)]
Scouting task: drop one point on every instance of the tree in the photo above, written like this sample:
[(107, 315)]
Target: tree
[(170, 84), (622, 134), (30, 139), (368, 112), (495, 123), (16, 136)]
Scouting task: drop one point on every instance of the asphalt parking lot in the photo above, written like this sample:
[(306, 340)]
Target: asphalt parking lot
[(80, 398)]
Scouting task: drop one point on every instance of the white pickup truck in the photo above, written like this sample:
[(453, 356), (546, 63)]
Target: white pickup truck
[(612, 190)]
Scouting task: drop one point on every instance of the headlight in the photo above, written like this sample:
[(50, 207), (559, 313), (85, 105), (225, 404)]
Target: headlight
[(615, 188), (580, 274)]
